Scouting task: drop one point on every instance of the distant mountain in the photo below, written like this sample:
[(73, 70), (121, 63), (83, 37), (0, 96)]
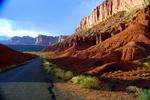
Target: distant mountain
[(4, 40), (49, 40), (25, 40), (61, 38), (45, 40)]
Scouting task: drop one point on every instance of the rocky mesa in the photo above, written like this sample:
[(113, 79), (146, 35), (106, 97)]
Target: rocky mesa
[(49, 40), (116, 36), (109, 8)]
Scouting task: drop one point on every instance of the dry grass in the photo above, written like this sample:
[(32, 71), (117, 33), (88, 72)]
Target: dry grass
[(86, 81), (57, 72)]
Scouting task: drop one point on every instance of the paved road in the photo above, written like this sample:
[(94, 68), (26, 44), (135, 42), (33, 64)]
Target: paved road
[(26, 82)]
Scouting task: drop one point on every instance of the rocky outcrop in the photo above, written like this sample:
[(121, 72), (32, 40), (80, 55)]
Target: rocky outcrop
[(45, 40), (110, 27), (119, 42), (49, 40), (109, 8), (40, 40), (78, 43), (61, 38), (134, 51), (113, 66), (25, 40)]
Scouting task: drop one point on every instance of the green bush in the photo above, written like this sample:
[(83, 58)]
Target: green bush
[(143, 94), (45, 63), (51, 71), (57, 72), (131, 89), (61, 74), (68, 75), (146, 63), (86, 81)]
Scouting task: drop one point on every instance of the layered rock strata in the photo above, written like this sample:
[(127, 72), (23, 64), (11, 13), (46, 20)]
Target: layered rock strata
[(109, 8)]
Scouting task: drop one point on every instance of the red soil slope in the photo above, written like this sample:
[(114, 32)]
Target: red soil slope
[(116, 49), (10, 57)]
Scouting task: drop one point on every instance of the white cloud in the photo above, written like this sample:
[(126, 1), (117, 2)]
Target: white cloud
[(5, 26), (10, 28), (26, 33)]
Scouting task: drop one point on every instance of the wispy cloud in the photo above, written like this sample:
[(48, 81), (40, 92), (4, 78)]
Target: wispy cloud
[(5, 26), (45, 17), (11, 28)]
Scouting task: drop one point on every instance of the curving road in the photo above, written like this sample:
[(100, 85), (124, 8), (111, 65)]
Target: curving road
[(26, 82)]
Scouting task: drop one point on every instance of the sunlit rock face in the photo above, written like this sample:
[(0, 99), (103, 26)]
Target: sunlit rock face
[(61, 38), (45, 40), (49, 40), (109, 8)]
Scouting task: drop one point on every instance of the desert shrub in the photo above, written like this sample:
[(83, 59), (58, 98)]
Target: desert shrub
[(86, 81), (131, 89), (57, 72), (143, 94), (146, 63), (45, 63), (51, 71), (68, 75), (61, 74)]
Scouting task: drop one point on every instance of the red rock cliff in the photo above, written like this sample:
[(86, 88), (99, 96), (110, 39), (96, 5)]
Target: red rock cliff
[(109, 8)]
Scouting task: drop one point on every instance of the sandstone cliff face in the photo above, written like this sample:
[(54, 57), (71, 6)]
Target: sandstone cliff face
[(109, 8), (61, 38), (49, 40), (116, 43), (45, 40)]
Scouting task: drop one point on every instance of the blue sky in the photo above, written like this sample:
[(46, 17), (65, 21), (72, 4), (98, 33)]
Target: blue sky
[(49, 17)]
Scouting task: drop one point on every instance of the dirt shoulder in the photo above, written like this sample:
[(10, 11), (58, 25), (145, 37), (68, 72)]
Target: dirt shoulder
[(68, 91)]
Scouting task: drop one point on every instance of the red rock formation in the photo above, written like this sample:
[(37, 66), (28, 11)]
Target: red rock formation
[(111, 67), (133, 51), (78, 42), (109, 8), (49, 40), (45, 40), (108, 29), (111, 44)]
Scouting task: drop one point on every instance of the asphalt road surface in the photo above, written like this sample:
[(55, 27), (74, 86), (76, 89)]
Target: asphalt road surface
[(26, 82)]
